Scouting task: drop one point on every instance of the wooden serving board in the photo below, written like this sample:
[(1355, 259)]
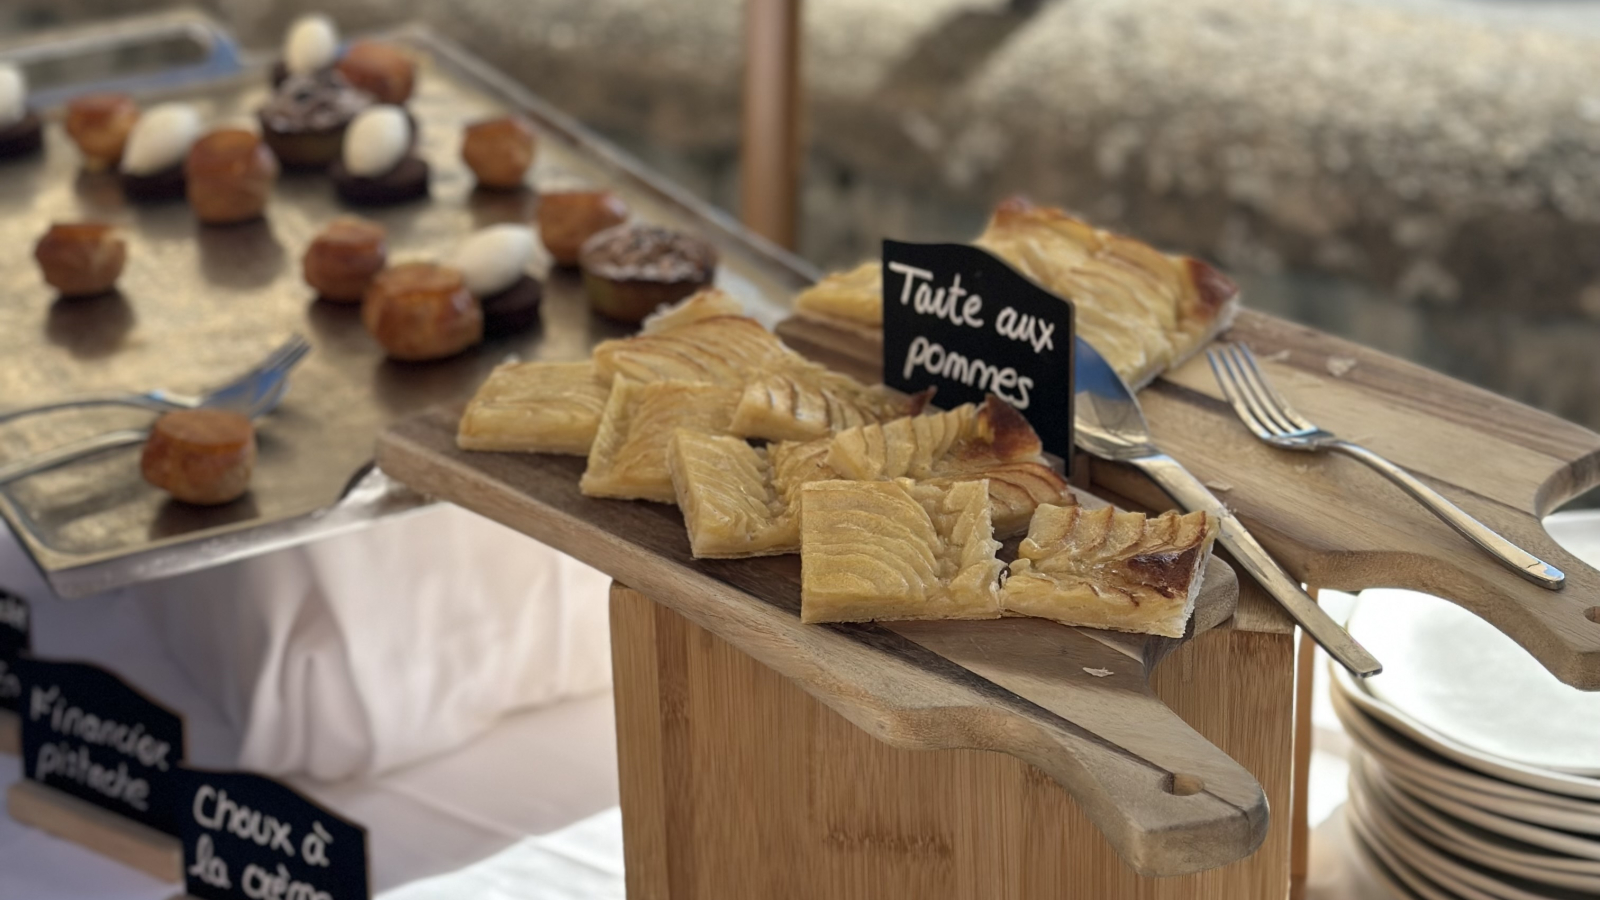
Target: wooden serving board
[(1076, 703), (1334, 522)]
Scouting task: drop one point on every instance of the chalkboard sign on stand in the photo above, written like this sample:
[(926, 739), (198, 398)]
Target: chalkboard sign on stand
[(100, 764), (959, 319), (248, 836), (16, 621)]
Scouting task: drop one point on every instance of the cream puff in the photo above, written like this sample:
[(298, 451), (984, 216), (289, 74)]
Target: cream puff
[(80, 259), (200, 456), (341, 262), (494, 263), (499, 151), (21, 133), (420, 311), (385, 71), (377, 164), (152, 161), (230, 174), (568, 218)]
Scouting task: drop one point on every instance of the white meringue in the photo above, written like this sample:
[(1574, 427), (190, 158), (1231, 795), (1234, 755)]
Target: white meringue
[(376, 142), (311, 44), (13, 96), (494, 258), (161, 138)]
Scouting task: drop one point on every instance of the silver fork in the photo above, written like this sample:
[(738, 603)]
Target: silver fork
[(1265, 412), (243, 393), (272, 383)]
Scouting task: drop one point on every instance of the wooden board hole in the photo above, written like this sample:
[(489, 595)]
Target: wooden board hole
[(1592, 614), (1184, 785)]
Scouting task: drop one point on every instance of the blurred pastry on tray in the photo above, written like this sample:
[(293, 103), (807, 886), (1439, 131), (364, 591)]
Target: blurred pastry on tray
[(631, 270), (100, 125), (200, 456), (21, 132), (383, 70), (1144, 310), (494, 261), (305, 120), (344, 258), (229, 176), (80, 259), (568, 218), (152, 162), (421, 311), (310, 47), (378, 164), (499, 151)]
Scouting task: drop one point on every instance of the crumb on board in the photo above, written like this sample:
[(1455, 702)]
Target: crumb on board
[(1219, 485), (1339, 365), (1302, 468), (1098, 673), (1277, 356)]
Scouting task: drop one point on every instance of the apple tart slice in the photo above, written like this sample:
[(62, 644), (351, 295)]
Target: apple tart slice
[(535, 407), (797, 400), (629, 457), (897, 550), (1104, 568), (730, 505), (721, 350)]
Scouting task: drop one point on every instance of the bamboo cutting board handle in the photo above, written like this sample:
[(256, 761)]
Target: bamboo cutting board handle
[(1075, 703)]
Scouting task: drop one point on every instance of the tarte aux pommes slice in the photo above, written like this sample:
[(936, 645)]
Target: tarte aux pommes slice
[(878, 550), (706, 304), (1016, 489), (797, 400), (535, 407), (965, 439), (629, 458), (854, 297), (723, 350), (725, 488), (1104, 568)]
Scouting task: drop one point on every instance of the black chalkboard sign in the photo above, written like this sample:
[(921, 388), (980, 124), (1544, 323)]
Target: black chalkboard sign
[(16, 620), (87, 733), (248, 836), (959, 319)]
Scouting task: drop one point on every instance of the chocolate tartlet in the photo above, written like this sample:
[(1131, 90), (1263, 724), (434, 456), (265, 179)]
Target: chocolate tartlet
[(630, 270), (167, 184), (152, 166), (23, 137), (305, 121), (377, 162), (406, 181), (514, 309)]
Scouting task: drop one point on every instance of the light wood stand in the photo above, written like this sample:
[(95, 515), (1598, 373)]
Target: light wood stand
[(736, 783), (153, 852), (10, 733)]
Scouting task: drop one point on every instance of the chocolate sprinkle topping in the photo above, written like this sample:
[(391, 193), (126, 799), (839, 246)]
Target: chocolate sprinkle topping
[(648, 253), (316, 102)]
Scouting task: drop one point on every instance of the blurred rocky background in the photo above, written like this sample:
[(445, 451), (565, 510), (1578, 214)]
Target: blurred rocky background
[(1420, 175)]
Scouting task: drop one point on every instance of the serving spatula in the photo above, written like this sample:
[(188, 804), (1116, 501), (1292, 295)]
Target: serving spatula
[(1108, 423)]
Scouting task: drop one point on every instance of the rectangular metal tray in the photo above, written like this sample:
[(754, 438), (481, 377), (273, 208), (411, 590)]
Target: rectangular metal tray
[(199, 304)]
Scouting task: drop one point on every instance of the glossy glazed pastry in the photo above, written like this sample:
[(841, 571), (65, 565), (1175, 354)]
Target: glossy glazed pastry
[(383, 70), (21, 132), (230, 174), (568, 218), (100, 125), (494, 262), (877, 550), (81, 258), (630, 270), (201, 456), (499, 151), (376, 164), (152, 160), (421, 311), (305, 121), (344, 258)]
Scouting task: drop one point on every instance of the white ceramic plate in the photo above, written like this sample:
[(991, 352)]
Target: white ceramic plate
[(1430, 775), (1442, 868), (1391, 863), (1469, 842), (1507, 770), (1457, 675)]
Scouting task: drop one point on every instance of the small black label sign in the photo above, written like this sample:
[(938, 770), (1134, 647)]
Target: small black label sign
[(957, 318), (87, 733), (15, 623), (247, 837)]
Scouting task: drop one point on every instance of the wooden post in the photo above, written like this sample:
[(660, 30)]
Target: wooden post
[(737, 783), (131, 843), (770, 159), (10, 733)]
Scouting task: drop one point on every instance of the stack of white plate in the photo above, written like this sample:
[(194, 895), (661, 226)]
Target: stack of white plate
[(1476, 774)]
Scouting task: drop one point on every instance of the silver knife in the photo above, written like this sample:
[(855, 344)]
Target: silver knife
[(1108, 423)]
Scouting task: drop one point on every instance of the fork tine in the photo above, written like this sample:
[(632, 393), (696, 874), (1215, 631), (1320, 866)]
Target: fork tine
[(1272, 426), (1256, 387), (287, 354), (1230, 390), (1271, 395)]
